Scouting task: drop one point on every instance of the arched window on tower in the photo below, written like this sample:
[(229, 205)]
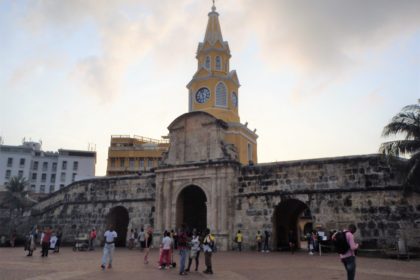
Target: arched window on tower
[(221, 96), (218, 63), (207, 64)]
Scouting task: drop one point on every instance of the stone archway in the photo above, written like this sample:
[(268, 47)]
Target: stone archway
[(119, 218), (290, 215), (191, 208)]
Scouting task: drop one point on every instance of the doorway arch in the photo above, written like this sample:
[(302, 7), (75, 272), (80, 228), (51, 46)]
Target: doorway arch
[(119, 218), (290, 215), (191, 208)]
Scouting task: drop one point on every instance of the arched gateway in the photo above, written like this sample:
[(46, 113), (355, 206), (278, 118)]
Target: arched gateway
[(118, 217), (294, 216), (191, 208)]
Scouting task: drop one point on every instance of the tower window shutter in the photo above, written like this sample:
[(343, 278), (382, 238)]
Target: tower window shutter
[(221, 100)]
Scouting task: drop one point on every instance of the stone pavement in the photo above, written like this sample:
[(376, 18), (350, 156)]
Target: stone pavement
[(128, 265)]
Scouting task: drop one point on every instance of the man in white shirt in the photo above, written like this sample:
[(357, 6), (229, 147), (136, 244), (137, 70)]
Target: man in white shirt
[(166, 251), (110, 236)]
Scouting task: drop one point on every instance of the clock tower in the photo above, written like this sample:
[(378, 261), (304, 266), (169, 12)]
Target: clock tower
[(214, 87), (214, 90)]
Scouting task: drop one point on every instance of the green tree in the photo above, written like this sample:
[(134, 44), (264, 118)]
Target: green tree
[(16, 193), (407, 124)]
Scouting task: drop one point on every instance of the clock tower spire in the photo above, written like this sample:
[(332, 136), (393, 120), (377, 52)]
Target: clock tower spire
[(214, 87), (214, 90)]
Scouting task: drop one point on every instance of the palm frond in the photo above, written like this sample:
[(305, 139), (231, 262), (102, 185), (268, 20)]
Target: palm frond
[(405, 123), (400, 147)]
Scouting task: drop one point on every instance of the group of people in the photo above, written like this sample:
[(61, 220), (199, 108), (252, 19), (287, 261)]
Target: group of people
[(262, 241), (190, 244), (49, 239)]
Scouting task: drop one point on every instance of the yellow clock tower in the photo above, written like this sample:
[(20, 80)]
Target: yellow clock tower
[(214, 89)]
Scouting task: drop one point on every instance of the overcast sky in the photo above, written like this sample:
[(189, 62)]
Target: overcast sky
[(319, 78)]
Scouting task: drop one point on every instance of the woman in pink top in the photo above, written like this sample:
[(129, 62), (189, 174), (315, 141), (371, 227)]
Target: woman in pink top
[(349, 258)]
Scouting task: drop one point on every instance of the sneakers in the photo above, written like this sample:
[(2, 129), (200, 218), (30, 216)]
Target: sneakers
[(109, 266), (310, 253), (102, 266)]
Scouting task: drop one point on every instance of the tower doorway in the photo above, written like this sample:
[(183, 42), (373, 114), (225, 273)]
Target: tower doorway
[(118, 217), (191, 208), (291, 217)]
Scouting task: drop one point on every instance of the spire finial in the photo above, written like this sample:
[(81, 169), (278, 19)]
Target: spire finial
[(213, 8)]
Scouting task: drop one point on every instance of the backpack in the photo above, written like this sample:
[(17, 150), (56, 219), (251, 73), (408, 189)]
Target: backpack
[(340, 242)]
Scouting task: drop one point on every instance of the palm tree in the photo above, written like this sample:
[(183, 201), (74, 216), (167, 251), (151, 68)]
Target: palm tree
[(406, 122), (16, 193)]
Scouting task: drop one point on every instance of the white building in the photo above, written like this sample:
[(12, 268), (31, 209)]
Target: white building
[(46, 172)]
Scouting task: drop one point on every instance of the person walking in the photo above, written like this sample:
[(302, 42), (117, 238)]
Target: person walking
[(195, 251), (142, 239), (31, 241), (258, 239), (266, 240), (45, 241), (92, 238), (131, 239), (110, 235), (59, 235), (166, 245), (148, 244), (208, 245), (349, 258), (292, 241), (13, 238), (238, 240), (183, 249)]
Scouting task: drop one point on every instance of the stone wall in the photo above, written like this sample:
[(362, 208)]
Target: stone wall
[(86, 204), (364, 190)]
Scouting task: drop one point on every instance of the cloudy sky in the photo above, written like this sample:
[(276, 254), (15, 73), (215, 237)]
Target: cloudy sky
[(319, 78)]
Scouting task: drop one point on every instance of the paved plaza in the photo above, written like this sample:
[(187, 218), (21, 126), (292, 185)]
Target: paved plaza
[(128, 265)]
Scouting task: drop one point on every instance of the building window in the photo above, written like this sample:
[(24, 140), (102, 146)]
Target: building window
[(207, 63), (43, 177), (64, 165), (122, 162), (73, 177), (112, 162), (54, 166), (52, 180), (9, 162), (33, 188), (63, 177), (75, 165), (20, 173), (131, 163), (44, 166), (218, 63), (150, 163), (221, 99), (8, 173), (42, 188), (249, 152), (61, 186), (33, 176), (51, 188), (35, 166), (141, 163), (22, 162)]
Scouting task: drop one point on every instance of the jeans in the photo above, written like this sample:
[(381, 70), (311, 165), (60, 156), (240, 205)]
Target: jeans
[(350, 266), (108, 252), (183, 253)]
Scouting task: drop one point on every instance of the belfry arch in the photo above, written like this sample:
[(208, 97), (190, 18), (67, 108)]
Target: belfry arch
[(118, 217), (290, 215), (191, 208)]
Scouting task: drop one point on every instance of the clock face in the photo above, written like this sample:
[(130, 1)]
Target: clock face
[(202, 95), (234, 99)]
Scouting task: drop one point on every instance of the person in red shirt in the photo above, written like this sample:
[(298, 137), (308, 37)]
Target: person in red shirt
[(45, 241), (92, 238)]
